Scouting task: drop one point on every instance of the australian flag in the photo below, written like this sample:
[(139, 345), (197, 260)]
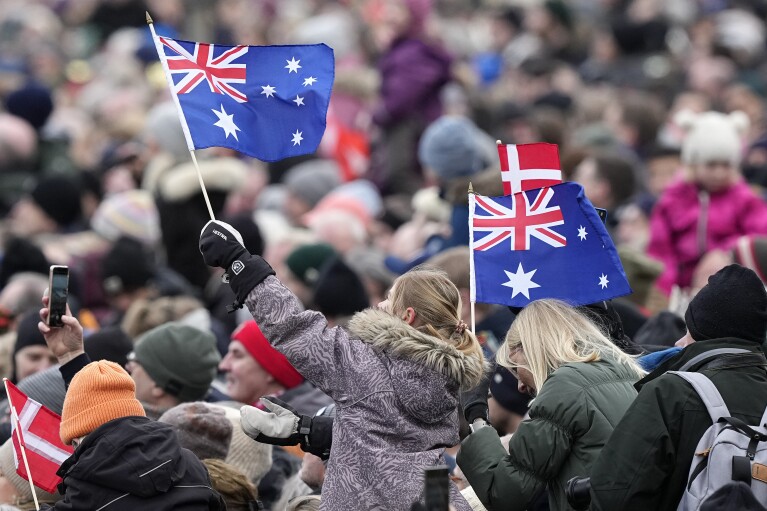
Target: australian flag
[(543, 243), (268, 102)]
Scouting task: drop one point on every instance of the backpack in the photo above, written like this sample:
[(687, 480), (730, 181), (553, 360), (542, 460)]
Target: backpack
[(729, 450)]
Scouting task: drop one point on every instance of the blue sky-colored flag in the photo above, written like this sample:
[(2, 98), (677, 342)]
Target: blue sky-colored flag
[(543, 243), (268, 102)]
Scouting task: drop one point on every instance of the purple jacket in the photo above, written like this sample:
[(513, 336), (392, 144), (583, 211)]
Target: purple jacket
[(688, 222), (412, 74), (396, 391)]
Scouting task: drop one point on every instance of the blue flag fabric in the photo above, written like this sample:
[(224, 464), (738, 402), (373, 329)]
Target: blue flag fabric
[(268, 102), (544, 243)]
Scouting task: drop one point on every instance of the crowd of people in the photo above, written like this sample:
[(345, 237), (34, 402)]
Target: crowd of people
[(336, 361)]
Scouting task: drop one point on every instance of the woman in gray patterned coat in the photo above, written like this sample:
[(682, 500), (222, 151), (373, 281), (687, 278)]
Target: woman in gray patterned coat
[(395, 375)]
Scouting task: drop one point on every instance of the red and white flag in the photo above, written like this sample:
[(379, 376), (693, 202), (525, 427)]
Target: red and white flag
[(40, 436), (529, 166)]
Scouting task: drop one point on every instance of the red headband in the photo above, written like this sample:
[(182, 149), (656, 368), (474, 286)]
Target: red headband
[(269, 358)]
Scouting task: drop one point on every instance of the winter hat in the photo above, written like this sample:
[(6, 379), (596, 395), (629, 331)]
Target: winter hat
[(110, 343), (751, 252), (46, 387), (126, 267), (132, 213), (712, 136), (32, 102), (181, 359), (734, 496), (312, 180), (503, 387), (21, 256), (732, 304), (162, 127), (59, 198), (365, 192), (100, 392), (305, 261), (253, 459), (450, 147), (369, 262), (272, 361), (8, 469), (339, 291), (201, 428), (27, 333)]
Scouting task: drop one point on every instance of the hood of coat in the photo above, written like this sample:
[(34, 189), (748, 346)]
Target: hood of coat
[(129, 455), (426, 372)]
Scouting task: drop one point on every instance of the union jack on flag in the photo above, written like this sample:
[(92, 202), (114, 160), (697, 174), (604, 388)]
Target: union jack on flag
[(557, 248), (519, 222), (269, 102), (201, 65)]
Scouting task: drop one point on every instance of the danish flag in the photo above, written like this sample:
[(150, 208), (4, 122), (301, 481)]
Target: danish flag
[(219, 72), (518, 223), (529, 166), (39, 433)]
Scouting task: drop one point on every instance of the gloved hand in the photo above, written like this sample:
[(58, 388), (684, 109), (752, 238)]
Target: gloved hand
[(277, 426), (474, 401), (222, 246)]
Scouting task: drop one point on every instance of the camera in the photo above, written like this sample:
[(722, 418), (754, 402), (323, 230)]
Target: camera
[(58, 287), (578, 493), (436, 495)]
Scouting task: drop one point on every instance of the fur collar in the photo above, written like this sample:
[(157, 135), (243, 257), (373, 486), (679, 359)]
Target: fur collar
[(181, 182), (395, 337)]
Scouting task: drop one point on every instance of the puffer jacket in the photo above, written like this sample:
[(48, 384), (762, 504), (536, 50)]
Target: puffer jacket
[(396, 391), (134, 463), (571, 419)]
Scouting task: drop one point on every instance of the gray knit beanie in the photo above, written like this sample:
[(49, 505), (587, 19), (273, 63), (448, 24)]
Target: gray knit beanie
[(201, 428), (312, 180)]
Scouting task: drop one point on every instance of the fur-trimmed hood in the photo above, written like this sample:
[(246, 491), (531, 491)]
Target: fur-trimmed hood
[(395, 337)]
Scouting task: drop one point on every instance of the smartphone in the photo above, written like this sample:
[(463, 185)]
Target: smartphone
[(437, 491), (58, 290)]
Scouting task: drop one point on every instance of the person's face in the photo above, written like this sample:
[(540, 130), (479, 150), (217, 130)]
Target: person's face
[(28, 219), (145, 385), (294, 208), (246, 380), (684, 341), (526, 384), (312, 471), (633, 228), (596, 189), (715, 176), (661, 172), (33, 359)]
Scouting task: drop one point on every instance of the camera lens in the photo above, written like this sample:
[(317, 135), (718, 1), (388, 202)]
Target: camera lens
[(578, 493)]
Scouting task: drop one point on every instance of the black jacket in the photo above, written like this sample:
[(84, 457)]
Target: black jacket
[(133, 463), (646, 463)]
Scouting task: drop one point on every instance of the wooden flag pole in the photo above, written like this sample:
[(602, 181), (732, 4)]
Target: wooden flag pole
[(472, 291), (15, 417), (161, 55)]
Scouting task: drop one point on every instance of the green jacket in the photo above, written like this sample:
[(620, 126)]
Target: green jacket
[(646, 463), (571, 419)]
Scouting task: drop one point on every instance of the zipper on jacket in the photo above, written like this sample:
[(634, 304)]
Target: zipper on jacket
[(704, 199)]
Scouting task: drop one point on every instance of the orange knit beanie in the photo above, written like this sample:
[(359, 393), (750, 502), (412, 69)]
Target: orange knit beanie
[(100, 392)]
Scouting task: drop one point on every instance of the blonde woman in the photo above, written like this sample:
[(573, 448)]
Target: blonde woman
[(395, 375), (582, 385)]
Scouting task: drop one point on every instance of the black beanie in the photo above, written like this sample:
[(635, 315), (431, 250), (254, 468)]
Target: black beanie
[(505, 391), (59, 197), (27, 333), (126, 267), (21, 256), (339, 291), (110, 343), (732, 304)]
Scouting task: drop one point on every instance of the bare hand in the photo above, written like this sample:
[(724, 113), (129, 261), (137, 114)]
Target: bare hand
[(65, 342)]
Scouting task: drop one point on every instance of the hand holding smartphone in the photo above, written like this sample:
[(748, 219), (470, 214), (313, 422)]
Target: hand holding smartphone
[(58, 291)]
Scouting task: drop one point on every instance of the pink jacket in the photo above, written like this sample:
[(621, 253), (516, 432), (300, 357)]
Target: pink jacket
[(688, 222)]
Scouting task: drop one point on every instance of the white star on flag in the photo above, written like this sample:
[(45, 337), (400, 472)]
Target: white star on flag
[(297, 138), (299, 101), (309, 81), (268, 90), (582, 233), (603, 281), (520, 282), (226, 123), (293, 66)]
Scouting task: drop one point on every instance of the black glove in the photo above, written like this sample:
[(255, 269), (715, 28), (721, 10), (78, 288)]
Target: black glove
[(320, 437), (222, 246), (474, 401)]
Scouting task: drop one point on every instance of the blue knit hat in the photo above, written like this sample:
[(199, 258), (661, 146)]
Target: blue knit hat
[(451, 147)]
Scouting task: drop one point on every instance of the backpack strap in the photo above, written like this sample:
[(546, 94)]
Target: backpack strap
[(711, 397), (712, 354)]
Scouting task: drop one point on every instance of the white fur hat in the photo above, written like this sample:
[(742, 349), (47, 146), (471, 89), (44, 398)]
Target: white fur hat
[(712, 136)]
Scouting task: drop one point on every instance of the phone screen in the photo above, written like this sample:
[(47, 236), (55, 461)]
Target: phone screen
[(437, 489), (59, 289)]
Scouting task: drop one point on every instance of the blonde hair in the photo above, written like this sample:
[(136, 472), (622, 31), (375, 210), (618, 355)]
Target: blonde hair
[(552, 334), (437, 305), (232, 484), (304, 503)]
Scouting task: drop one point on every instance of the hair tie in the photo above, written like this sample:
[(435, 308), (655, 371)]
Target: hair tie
[(460, 327)]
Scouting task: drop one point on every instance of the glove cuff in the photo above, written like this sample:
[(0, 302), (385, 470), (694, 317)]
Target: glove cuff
[(246, 273), (477, 411)]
